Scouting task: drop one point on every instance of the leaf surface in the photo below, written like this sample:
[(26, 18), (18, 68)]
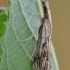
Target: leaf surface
[(21, 24)]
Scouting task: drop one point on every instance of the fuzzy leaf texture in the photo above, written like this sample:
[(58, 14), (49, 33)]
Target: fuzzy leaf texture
[(20, 25)]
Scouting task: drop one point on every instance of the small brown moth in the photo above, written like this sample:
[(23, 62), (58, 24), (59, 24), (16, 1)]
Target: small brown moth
[(42, 57)]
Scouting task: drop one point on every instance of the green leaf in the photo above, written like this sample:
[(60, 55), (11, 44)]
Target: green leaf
[(0, 52), (21, 24), (3, 17)]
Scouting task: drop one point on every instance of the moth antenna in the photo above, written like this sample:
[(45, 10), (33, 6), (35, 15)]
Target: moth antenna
[(34, 12)]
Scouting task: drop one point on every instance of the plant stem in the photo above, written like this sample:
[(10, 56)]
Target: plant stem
[(54, 59)]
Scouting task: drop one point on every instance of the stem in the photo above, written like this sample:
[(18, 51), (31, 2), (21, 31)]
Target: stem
[(54, 59)]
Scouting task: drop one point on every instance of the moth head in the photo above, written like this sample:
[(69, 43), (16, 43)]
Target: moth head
[(44, 0)]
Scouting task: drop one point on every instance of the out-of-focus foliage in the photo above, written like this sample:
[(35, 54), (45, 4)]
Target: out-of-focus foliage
[(3, 17)]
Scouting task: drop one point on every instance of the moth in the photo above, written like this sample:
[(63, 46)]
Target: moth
[(42, 57)]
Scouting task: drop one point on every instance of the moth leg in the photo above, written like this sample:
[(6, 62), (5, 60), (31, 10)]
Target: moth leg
[(34, 33), (31, 57)]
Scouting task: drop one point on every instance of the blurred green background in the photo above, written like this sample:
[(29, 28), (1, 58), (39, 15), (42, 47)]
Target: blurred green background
[(60, 10)]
